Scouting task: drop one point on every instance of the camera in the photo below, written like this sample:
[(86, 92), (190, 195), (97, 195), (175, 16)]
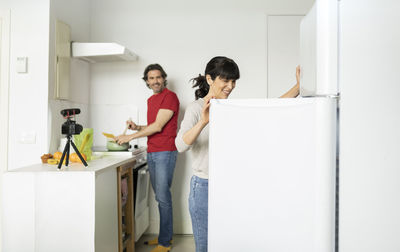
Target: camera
[(70, 127)]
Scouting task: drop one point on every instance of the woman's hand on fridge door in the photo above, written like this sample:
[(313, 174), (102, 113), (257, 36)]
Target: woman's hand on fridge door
[(295, 90), (298, 74), (205, 113)]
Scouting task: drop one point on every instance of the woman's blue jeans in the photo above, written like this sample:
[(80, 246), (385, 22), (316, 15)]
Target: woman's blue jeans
[(161, 167), (198, 207)]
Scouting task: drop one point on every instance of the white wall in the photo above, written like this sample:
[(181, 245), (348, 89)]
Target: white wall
[(182, 36), (283, 53), (28, 92), (370, 123)]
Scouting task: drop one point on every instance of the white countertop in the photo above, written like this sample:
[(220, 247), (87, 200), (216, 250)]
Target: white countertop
[(97, 164)]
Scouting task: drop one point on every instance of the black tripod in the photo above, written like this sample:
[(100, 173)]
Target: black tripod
[(66, 153)]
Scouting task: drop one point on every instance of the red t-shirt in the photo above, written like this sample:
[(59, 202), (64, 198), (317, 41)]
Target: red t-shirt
[(164, 140)]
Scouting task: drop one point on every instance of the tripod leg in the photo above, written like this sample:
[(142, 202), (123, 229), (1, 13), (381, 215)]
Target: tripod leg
[(67, 156), (66, 148), (79, 154)]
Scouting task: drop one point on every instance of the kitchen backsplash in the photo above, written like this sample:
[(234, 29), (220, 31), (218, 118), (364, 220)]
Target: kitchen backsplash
[(111, 118)]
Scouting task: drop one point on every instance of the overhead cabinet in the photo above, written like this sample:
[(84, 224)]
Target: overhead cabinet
[(63, 60)]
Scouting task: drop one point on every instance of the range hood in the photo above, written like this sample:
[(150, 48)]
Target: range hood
[(101, 52)]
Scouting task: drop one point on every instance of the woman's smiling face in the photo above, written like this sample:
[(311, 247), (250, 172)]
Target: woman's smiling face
[(220, 88)]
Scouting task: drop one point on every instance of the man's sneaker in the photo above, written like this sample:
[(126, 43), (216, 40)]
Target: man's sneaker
[(160, 248), (155, 241)]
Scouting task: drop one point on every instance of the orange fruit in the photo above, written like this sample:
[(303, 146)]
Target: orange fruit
[(75, 158), (57, 155)]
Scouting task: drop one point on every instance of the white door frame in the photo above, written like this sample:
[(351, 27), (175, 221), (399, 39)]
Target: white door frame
[(4, 86), (4, 96)]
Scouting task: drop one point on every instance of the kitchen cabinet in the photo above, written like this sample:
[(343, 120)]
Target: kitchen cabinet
[(63, 60), (126, 220), (74, 209)]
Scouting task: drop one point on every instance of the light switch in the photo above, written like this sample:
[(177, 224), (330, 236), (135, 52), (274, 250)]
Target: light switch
[(22, 64)]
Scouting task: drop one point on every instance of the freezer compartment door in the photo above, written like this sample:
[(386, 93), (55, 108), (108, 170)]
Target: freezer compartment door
[(272, 175), (319, 49)]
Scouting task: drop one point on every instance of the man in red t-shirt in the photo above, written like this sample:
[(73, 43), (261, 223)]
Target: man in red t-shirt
[(162, 123)]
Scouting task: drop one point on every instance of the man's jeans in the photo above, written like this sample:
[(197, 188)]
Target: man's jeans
[(198, 207), (161, 167)]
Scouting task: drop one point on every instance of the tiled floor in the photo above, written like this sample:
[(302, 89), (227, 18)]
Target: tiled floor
[(182, 243)]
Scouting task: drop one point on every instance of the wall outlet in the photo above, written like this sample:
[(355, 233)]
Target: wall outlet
[(27, 137)]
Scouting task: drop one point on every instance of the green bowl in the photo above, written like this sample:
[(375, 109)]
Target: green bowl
[(113, 146)]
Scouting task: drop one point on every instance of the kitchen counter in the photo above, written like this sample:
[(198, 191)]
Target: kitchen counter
[(71, 209), (99, 163)]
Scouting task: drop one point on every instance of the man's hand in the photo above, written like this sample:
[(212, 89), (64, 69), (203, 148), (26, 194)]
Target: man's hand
[(131, 125), (123, 139)]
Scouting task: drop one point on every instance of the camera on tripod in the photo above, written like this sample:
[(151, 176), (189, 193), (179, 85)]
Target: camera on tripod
[(70, 127)]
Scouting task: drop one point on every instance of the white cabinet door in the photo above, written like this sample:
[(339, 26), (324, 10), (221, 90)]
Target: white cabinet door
[(4, 86), (63, 60)]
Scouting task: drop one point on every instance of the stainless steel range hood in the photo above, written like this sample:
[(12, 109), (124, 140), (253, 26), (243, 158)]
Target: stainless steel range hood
[(101, 52)]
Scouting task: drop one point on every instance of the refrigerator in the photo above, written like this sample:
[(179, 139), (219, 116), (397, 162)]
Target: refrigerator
[(272, 162)]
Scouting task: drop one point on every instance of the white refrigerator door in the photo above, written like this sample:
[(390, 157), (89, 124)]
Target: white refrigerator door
[(272, 175)]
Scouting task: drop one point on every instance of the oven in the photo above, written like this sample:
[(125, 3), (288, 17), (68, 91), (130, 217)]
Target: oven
[(141, 178)]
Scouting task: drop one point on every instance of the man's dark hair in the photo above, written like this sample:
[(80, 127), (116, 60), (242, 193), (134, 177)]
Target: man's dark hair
[(154, 67)]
